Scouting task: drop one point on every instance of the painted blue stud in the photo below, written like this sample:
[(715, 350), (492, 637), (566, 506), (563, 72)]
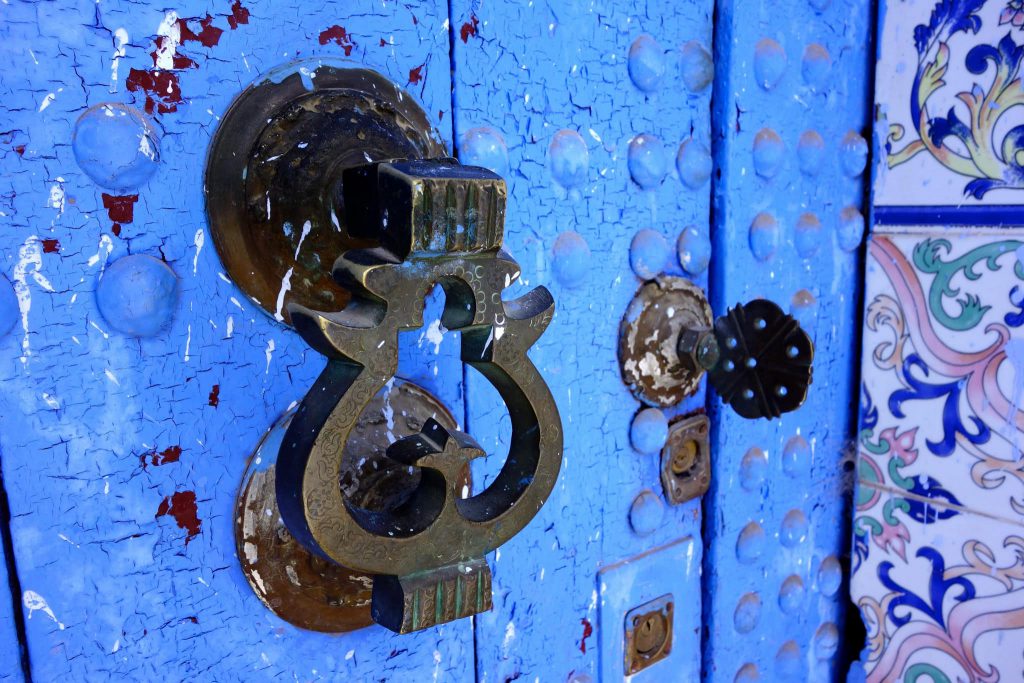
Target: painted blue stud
[(793, 530), (646, 63), (826, 641), (764, 236), (647, 162), (768, 153), (796, 456), (571, 258), (787, 662), (137, 295), (646, 513), (810, 152), (753, 469), (116, 146), (649, 431), (748, 673), (694, 164), (748, 613), (807, 235), (694, 250), (804, 307), (853, 154), (750, 543), (697, 67), (830, 576), (791, 594), (9, 309), (648, 253), (569, 158), (817, 63), (484, 146), (851, 228), (769, 63)]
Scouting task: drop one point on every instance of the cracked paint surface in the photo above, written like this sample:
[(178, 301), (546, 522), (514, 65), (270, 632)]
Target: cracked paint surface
[(524, 72), (128, 452), (777, 524)]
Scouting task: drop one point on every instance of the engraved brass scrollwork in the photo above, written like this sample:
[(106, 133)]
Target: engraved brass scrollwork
[(437, 222)]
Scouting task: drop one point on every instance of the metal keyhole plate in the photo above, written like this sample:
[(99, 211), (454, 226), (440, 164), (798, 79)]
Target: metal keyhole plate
[(648, 636)]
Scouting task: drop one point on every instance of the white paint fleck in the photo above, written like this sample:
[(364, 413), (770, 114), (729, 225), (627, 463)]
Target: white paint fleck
[(306, 228), (199, 240), (169, 29), (120, 41), (106, 245), (30, 262), (188, 343), (111, 376), (270, 354), (286, 285), (230, 327), (34, 602), (47, 101)]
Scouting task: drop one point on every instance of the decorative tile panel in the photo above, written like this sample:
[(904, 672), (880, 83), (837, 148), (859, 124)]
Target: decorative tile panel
[(939, 508), (950, 112)]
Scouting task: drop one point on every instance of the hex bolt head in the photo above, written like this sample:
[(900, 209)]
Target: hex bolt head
[(697, 349)]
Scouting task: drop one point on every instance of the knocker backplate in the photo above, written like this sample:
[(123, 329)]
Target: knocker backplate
[(273, 176), (302, 587)]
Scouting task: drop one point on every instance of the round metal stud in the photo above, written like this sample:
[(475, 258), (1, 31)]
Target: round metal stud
[(648, 334)]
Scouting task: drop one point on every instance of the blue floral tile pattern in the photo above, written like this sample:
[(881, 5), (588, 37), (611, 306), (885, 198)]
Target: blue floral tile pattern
[(938, 552), (950, 115)]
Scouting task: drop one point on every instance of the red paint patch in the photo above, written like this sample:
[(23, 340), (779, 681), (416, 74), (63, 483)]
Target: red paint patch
[(340, 36), (416, 75), (177, 61), (239, 15), (209, 35), (116, 229), (163, 92), (588, 631), (20, 149), (440, 115), (120, 208), (51, 246), (382, 43), (215, 395), (182, 507), (164, 457), (469, 28)]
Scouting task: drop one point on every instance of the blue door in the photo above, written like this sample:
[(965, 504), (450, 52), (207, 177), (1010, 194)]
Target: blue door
[(148, 379)]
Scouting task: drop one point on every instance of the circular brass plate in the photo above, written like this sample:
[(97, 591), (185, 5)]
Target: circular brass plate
[(648, 335), (274, 170), (302, 588)]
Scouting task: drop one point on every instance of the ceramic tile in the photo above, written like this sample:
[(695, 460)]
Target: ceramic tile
[(941, 597), (949, 119), (943, 369)]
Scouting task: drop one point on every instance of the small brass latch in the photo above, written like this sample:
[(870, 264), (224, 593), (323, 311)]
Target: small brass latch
[(648, 636)]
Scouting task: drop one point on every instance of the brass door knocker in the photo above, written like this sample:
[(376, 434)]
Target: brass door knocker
[(332, 504), (439, 223)]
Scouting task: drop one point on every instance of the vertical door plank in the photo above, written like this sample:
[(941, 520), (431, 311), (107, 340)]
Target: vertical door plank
[(544, 95), (791, 108), (122, 457)]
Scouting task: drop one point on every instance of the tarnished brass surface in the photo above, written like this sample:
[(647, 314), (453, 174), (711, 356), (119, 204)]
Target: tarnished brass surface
[(648, 338), (757, 357), (648, 634), (451, 242), (302, 587), (273, 184), (686, 460)]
